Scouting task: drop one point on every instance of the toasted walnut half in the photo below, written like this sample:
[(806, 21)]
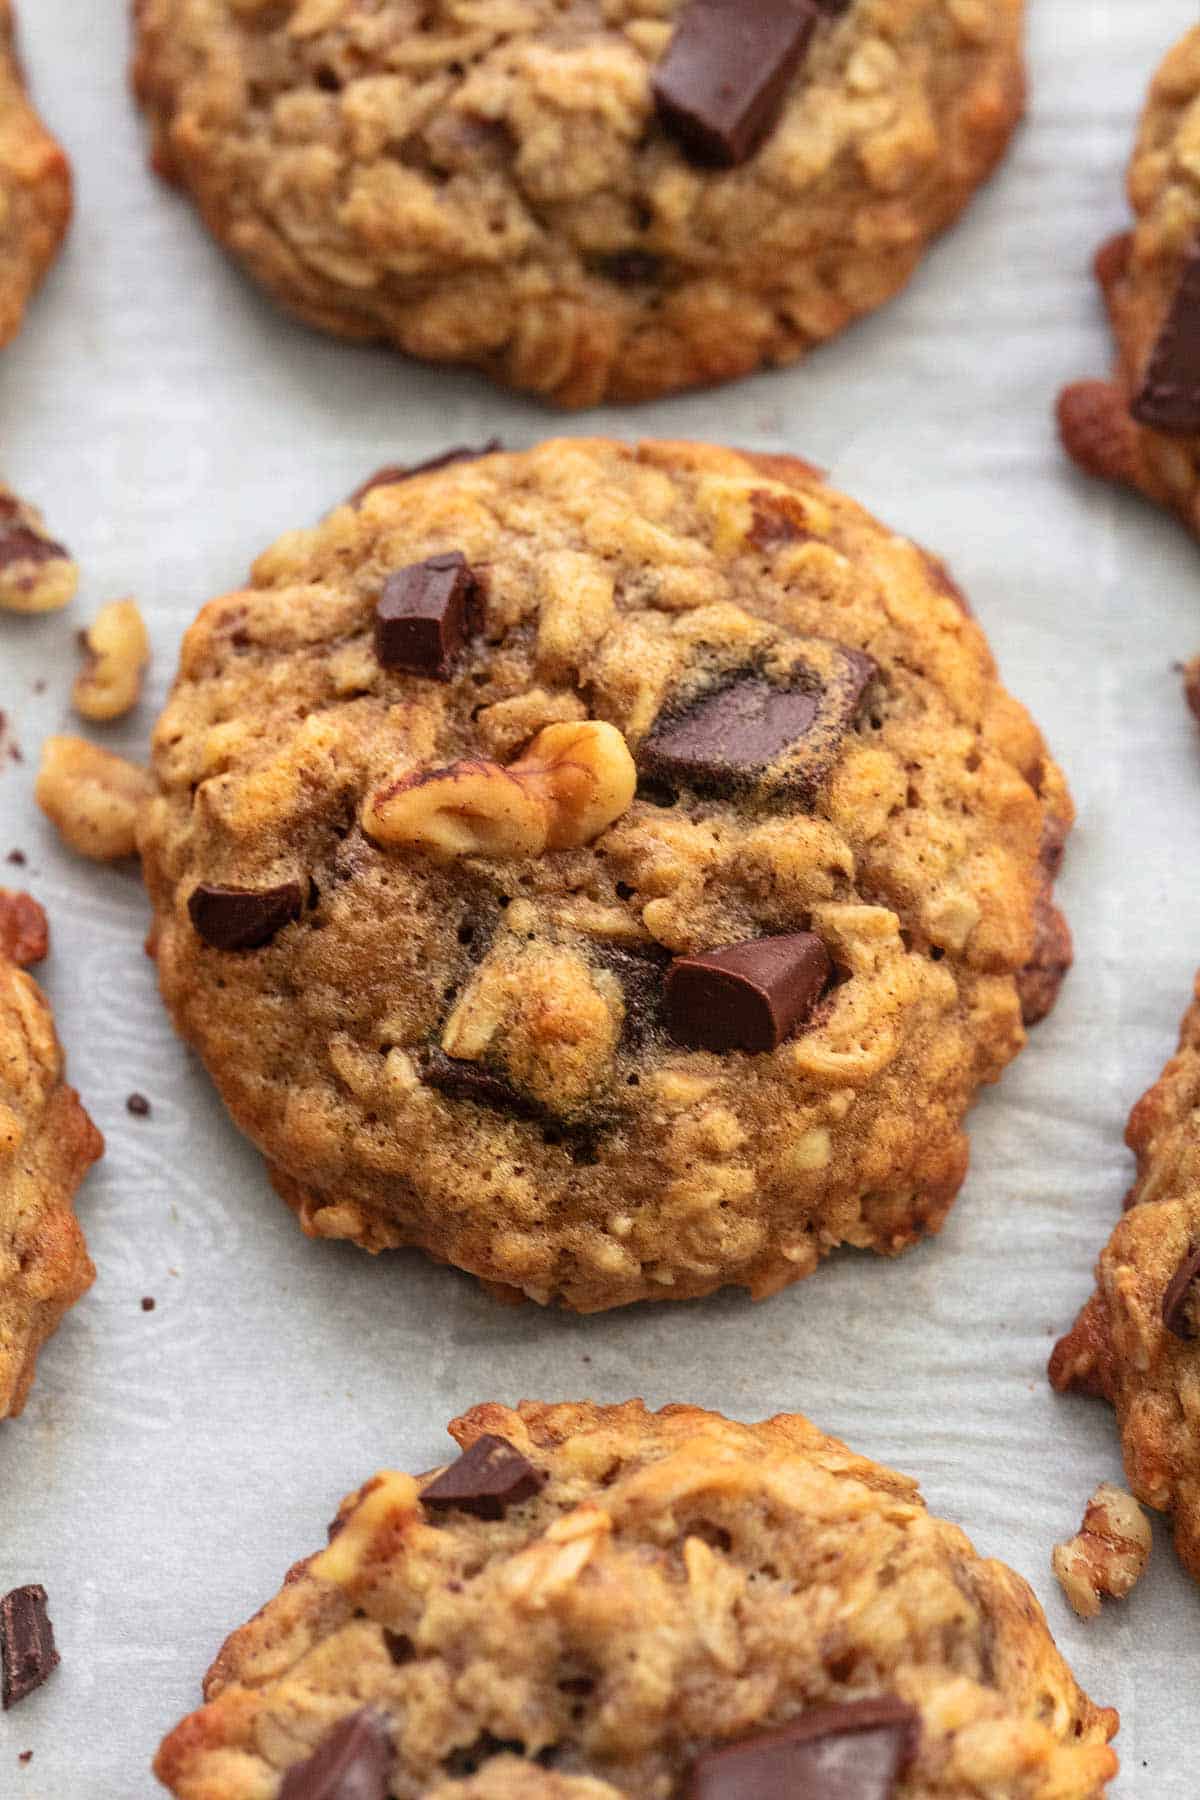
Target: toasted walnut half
[(92, 796), (574, 780), (1109, 1553), (118, 651)]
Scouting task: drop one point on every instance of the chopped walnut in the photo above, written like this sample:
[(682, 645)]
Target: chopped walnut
[(24, 933), (118, 651), (92, 796), (1109, 1553)]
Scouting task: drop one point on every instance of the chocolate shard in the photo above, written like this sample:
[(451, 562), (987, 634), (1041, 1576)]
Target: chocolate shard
[(462, 1080), (425, 614), (1169, 397), (487, 1479), (1181, 1302), (721, 86), (242, 918), (758, 732), (750, 996), (391, 473), (855, 1751), (352, 1762), (27, 1652)]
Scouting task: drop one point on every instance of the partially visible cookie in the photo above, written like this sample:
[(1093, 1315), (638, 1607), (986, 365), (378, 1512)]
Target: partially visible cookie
[(35, 188), (47, 1144), (1141, 427), (601, 1601), (1137, 1340), (589, 202)]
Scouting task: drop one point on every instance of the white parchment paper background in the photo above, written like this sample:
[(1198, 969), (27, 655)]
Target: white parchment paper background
[(172, 1464)]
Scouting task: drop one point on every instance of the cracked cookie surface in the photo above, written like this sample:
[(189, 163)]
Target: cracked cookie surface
[(35, 188), (47, 1144), (1140, 274), (1136, 1342), (487, 181), (675, 1582)]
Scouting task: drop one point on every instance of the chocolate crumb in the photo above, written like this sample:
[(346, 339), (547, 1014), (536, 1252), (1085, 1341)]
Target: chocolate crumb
[(26, 1756), (17, 857), (148, 1302), (138, 1105)]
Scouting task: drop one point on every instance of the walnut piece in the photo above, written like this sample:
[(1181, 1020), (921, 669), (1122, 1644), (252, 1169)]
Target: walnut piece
[(118, 652), (573, 781), (24, 933), (92, 796), (1108, 1555), (36, 574)]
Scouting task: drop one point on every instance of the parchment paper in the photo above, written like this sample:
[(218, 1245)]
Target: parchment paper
[(172, 1464)]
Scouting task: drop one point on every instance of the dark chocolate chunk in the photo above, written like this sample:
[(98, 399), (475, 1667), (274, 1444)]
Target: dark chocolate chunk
[(425, 614), (1169, 397), (1181, 1302), (1053, 953), (640, 969), (721, 86), (462, 1080), (391, 473), (148, 1303), (243, 918), (753, 731), (27, 1652), (631, 268), (487, 1479), (748, 997), (352, 1762), (138, 1105), (851, 1752)]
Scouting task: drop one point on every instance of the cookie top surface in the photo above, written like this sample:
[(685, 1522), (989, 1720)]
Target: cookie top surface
[(47, 1143), (468, 990), (1137, 1340), (1141, 427), (661, 1586), (35, 188), (496, 184)]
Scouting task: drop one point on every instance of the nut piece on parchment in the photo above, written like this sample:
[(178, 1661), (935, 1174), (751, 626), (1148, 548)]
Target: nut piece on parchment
[(36, 574), (118, 653), (24, 931), (92, 796), (1109, 1553), (574, 780)]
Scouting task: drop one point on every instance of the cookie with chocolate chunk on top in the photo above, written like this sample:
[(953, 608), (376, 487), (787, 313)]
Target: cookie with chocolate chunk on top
[(1140, 427), (1136, 1342), (35, 187), (597, 1602), (591, 202), (614, 870)]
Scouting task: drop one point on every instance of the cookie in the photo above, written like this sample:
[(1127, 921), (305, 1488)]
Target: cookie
[(599, 1601), (47, 1144), (35, 188), (1137, 1340), (1141, 428), (588, 203), (613, 869)]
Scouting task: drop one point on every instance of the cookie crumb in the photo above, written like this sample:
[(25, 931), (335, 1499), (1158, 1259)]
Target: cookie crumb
[(1108, 1554), (138, 1105)]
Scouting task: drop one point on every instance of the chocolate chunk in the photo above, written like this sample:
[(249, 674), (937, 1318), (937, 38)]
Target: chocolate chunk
[(243, 918), (721, 86), (487, 1479), (640, 969), (352, 1762), (461, 1080), (27, 1652), (851, 1752), (20, 545), (1169, 397), (1181, 1302), (748, 997), (138, 1105), (756, 732), (1053, 953), (148, 1303), (391, 473), (631, 268), (424, 615)]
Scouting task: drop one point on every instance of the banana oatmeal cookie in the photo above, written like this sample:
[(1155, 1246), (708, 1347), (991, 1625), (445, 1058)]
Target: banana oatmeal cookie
[(47, 1144), (35, 188), (607, 199), (1141, 428), (613, 869), (1137, 1340), (594, 1602)]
